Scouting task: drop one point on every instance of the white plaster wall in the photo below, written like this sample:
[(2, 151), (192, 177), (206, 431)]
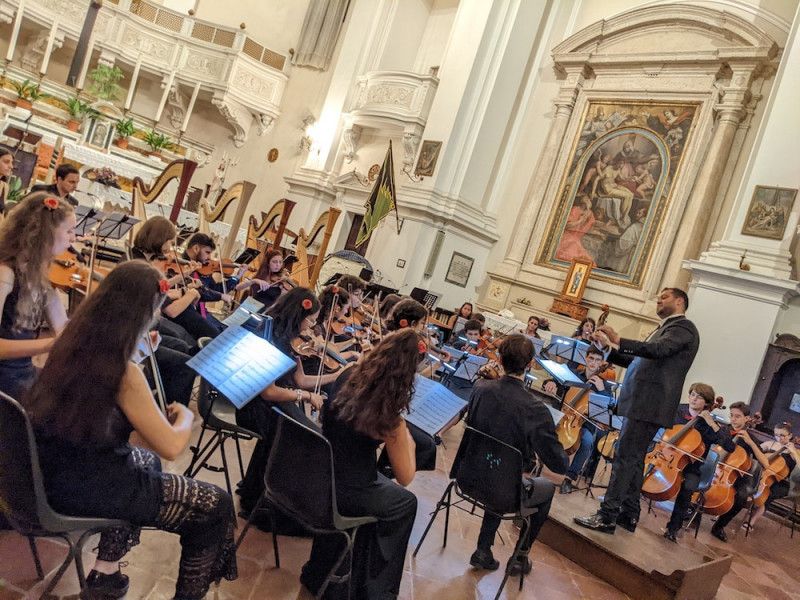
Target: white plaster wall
[(404, 35), (436, 34)]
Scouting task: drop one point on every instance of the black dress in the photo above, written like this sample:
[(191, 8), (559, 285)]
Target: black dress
[(360, 490), (16, 374)]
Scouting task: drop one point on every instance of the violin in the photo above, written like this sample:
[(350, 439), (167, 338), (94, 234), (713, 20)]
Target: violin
[(305, 346), (679, 446), (65, 274), (720, 496), (778, 471), (214, 266)]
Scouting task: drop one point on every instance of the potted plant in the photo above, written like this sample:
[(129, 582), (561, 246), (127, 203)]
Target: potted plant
[(105, 82), (157, 142), (125, 129), (76, 109), (27, 93)]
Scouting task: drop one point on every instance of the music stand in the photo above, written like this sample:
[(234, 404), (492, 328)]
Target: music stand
[(561, 347), (87, 217), (579, 353), (562, 374), (112, 226), (601, 410)]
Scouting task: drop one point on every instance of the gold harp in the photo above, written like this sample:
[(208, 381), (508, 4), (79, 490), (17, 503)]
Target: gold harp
[(325, 222), (241, 190), (142, 194), (260, 237)]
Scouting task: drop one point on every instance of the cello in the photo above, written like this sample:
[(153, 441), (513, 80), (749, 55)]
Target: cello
[(778, 471), (679, 446), (576, 401)]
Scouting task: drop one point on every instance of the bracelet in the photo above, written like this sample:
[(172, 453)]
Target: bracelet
[(299, 395)]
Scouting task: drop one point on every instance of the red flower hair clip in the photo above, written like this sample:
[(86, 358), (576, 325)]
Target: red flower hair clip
[(335, 289), (403, 323), (307, 304), (163, 286), (51, 203), (422, 347)]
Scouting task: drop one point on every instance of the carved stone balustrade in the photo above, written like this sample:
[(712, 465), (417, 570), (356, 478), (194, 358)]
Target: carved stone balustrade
[(245, 79), (390, 99)]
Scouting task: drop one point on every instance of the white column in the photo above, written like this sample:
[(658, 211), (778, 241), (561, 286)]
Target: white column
[(165, 95), (134, 79), (49, 49), (190, 108), (15, 31)]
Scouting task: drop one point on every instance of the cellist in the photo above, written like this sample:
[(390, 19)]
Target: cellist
[(589, 433), (783, 444), (701, 401), (739, 413)]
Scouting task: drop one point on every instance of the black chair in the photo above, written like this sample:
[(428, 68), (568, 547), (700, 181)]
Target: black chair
[(219, 417), (707, 471), (23, 499), (299, 482), (756, 471), (486, 474)]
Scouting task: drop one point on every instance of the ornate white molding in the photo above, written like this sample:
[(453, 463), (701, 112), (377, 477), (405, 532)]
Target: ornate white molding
[(350, 136), (237, 117), (265, 124)]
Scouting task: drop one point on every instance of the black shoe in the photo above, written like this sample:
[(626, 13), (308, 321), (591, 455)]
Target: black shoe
[(595, 522), (566, 486), (719, 533), (101, 586), (628, 523), (522, 565), (671, 536), (483, 559)]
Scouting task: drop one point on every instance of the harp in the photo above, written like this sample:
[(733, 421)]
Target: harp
[(241, 190), (142, 194), (324, 225), (261, 236)]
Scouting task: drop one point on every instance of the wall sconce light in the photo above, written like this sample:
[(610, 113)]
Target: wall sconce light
[(307, 140)]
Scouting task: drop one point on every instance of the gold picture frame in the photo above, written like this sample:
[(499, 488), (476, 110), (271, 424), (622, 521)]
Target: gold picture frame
[(577, 277), (768, 212)]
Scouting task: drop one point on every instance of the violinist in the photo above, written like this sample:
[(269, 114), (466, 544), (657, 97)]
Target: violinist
[(590, 433), (739, 412), (292, 313), (270, 282), (38, 229), (783, 444), (340, 341), (701, 402), (156, 239), (198, 250)]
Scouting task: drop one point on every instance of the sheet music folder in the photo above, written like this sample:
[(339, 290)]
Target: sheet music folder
[(243, 312), (598, 411), (87, 217), (562, 373), (240, 364), (116, 226), (433, 405)]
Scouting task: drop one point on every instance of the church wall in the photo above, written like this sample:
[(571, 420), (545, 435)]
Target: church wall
[(434, 38)]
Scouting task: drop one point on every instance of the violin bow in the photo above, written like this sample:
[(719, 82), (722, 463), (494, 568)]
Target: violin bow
[(160, 394), (328, 331), (376, 307), (180, 268)]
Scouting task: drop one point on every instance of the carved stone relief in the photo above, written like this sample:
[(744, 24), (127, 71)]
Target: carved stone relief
[(177, 103), (265, 124), (397, 95), (204, 64), (33, 53), (146, 44), (72, 10), (237, 117), (253, 84), (350, 137)]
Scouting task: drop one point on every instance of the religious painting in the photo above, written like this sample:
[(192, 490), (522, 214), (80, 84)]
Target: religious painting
[(616, 187), (577, 278), (768, 212), (428, 156)]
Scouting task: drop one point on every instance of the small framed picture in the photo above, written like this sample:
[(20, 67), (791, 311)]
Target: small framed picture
[(577, 278), (459, 269), (768, 212), (428, 156)]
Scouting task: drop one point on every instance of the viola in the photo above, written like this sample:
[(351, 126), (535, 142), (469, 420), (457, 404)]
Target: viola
[(720, 496), (331, 361), (778, 471), (215, 266)]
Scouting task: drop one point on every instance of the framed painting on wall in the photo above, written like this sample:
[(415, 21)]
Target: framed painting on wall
[(576, 280), (616, 187), (428, 156), (459, 269), (768, 212)]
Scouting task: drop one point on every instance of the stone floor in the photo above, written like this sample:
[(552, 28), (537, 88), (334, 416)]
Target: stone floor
[(765, 563)]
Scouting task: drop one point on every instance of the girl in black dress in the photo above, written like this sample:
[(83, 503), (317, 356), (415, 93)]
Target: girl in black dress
[(367, 411), (88, 400)]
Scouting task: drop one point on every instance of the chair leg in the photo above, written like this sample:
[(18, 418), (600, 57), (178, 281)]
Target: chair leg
[(248, 523), (79, 556), (61, 570), (239, 455), (514, 556), (201, 456), (222, 439), (439, 505), (37, 562), (273, 524), (346, 553)]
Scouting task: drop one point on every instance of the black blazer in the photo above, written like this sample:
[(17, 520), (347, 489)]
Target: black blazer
[(656, 371)]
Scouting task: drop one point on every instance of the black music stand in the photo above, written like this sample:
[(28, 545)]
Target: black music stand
[(115, 226), (87, 218), (601, 410)]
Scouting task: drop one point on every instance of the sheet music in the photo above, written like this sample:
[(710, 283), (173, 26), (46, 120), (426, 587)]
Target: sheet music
[(554, 412), (433, 405), (561, 373), (469, 368), (240, 364), (243, 312)]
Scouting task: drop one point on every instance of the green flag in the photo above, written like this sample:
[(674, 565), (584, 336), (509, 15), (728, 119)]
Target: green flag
[(381, 201)]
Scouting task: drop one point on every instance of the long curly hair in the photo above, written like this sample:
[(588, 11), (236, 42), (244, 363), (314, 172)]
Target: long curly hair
[(326, 301), (62, 402), (153, 234), (26, 245), (288, 313), (407, 310), (264, 269), (379, 389)]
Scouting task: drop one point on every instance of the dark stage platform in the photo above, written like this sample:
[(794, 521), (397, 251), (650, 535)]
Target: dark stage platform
[(641, 564)]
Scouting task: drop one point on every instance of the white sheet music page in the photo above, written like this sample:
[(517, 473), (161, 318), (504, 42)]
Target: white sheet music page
[(433, 405), (243, 312), (240, 364)]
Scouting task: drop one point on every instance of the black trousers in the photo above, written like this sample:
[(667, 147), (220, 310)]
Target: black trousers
[(194, 323), (691, 480), (627, 474), (539, 495)]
